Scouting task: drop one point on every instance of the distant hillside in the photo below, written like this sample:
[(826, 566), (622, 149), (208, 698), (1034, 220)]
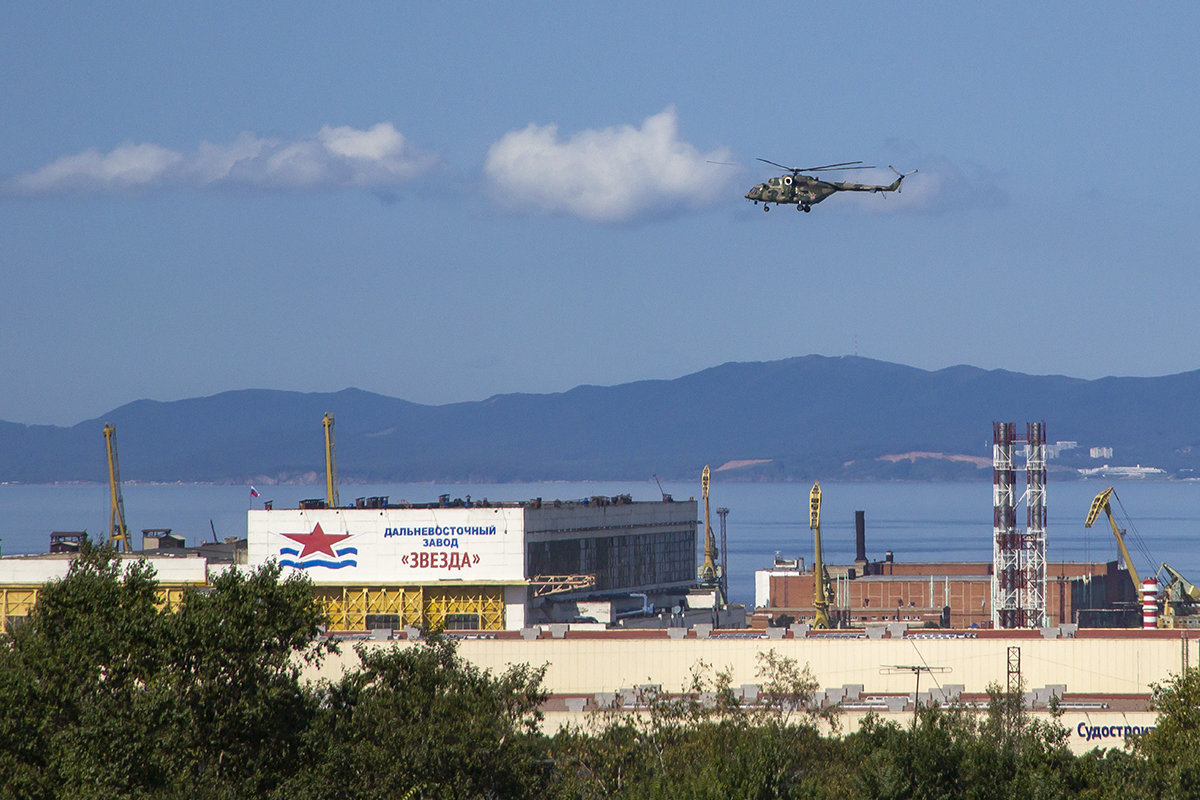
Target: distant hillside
[(812, 416)]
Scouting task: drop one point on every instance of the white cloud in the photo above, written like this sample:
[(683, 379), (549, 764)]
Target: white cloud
[(608, 175), (940, 186), (130, 166), (376, 158)]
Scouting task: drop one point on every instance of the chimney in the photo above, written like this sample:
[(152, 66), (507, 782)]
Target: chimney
[(860, 537)]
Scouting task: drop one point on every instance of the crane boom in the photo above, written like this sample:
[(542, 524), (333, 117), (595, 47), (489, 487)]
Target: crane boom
[(1179, 598), (118, 533), (331, 482), (1186, 588), (1100, 503), (820, 595)]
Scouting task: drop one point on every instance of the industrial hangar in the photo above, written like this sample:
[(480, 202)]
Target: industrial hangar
[(480, 565)]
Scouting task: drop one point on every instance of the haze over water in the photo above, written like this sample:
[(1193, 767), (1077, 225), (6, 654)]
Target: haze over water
[(916, 521)]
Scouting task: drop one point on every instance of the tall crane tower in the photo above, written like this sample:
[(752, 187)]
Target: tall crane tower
[(118, 533), (331, 482), (820, 582), (709, 573)]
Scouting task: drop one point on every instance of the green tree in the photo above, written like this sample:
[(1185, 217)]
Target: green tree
[(72, 678), (1170, 749), (956, 753), (230, 706), (422, 718), (103, 695), (706, 742)]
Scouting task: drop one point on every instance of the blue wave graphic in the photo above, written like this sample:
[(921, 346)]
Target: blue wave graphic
[(317, 563), (291, 551), (347, 551)]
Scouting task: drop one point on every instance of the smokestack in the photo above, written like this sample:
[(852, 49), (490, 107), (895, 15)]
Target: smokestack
[(860, 536), (1150, 603)]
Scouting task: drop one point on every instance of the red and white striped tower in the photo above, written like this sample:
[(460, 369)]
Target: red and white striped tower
[(1018, 556), (1006, 551), (1149, 603)]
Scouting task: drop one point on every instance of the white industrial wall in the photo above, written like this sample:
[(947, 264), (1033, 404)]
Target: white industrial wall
[(608, 663), (17, 571)]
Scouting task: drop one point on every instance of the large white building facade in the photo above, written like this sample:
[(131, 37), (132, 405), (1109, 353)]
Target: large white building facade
[(476, 566)]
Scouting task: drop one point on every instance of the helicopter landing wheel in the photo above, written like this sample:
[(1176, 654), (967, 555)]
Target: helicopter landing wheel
[(806, 209), (766, 207)]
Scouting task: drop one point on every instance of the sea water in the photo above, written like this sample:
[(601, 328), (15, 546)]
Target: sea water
[(915, 521)]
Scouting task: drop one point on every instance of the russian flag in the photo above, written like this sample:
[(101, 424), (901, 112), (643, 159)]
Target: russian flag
[(253, 492)]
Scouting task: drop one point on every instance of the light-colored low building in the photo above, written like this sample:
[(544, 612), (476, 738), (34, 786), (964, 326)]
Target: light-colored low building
[(1101, 680), (22, 577)]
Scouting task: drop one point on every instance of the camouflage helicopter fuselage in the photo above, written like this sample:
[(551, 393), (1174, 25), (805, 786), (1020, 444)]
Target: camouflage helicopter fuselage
[(805, 191)]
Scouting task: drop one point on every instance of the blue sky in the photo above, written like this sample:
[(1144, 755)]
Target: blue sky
[(446, 201)]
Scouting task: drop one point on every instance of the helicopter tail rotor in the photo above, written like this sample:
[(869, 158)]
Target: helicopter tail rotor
[(900, 176)]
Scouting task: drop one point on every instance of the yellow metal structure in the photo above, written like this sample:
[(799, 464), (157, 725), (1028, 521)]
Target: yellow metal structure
[(331, 482), (1101, 504), (474, 608), (820, 588), (118, 533), (17, 600), (349, 607), (709, 573), (553, 584)]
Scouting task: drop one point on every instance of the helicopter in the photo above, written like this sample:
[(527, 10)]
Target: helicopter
[(805, 191)]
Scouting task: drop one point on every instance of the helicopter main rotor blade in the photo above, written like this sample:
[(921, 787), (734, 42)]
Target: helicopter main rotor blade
[(842, 164), (834, 169), (781, 166), (824, 167)]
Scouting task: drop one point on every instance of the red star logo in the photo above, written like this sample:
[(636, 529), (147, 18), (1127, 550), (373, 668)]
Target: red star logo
[(318, 541)]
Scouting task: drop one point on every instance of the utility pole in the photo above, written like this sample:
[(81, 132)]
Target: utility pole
[(723, 513), (916, 670)]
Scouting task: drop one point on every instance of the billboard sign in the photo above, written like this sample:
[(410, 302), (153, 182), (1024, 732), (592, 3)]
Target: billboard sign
[(392, 546)]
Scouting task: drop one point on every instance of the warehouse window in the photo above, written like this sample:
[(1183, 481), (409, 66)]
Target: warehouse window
[(462, 622)]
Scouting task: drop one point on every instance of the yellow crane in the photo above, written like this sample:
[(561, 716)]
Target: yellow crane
[(820, 581), (1101, 504), (331, 482), (118, 533), (709, 572), (1177, 597)]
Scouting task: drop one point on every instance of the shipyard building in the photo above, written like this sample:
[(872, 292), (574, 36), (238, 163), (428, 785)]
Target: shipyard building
[(453, 565), (946, 594), (464, 565)]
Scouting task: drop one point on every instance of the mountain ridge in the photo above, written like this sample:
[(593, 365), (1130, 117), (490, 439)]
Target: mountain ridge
[(833, 417)]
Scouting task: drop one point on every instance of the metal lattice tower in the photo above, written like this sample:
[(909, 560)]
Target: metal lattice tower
[(1018, 556), (1035, 534), (1014, 670)]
